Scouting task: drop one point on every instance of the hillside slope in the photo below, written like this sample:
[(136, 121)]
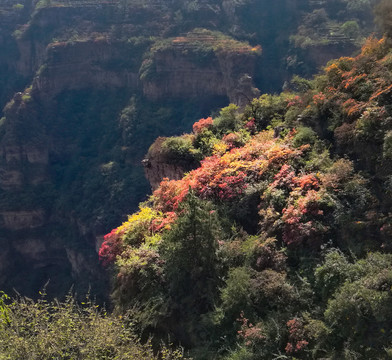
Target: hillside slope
[(278, 242)]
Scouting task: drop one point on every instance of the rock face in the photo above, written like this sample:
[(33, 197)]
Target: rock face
[(156, 170), (201, 64), (33, 159), (156, 167), (320, 55), (176, 74), (18, 220), (84, 64), (23, 159)]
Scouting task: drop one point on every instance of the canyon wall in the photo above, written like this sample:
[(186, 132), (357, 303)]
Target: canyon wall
[(49, 229)]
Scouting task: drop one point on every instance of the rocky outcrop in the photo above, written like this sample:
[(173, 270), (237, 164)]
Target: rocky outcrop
[(200, 65), (33, 249), (31, 57), (22, 165), (177, 75), (5, 260), (156, 169), (158, 166), (28, 262), (17, 220), (85, 64), (79, 21), (319, 55), (24, 152)]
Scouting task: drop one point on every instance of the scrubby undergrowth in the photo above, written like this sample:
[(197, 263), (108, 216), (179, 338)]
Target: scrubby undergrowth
[(66, 330)]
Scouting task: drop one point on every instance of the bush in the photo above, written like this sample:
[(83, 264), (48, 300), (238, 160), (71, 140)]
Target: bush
[(332, 274), (383, 14), (387, 147), (267, 110), (65, 330), (180, 150), (350, 29), (236, 294), (359, 312), (304, 135), (18, 7), (228, 120)]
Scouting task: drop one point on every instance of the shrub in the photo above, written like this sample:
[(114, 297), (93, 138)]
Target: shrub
[(350, 29), (387, 147), (270, 290), (205, 142), (267, 110), (65, 330), (304, 135), (202, 124), (359, 311), (180, 150), (332, 274), (228, 120), (18, 7), (236, 294)]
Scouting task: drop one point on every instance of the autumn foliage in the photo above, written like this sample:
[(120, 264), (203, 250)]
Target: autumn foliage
[(273, 184)]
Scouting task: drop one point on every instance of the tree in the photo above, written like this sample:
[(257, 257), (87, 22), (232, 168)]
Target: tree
[(383, 13), (189, 250)]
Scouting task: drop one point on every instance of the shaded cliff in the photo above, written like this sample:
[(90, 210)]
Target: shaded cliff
[(201, 64), (12, 14), (76, 136)]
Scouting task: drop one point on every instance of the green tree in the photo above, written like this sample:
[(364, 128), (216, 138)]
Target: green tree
[(190, 251), (383, 12), (228, 120), (351, 29)]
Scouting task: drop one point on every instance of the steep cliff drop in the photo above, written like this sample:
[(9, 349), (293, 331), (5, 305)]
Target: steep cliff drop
[(72, 142)]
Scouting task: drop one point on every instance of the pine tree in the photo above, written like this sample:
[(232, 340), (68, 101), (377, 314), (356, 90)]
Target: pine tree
[(190, 251)]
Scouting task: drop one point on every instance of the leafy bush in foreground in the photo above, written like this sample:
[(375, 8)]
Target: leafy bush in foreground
[(66, 330)]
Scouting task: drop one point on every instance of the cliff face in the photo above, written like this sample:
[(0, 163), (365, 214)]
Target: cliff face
[(13, 13), (320, 55), (176, 74), (72, 22), (157, 169), (201, 64), (85, 64), (157, 166)]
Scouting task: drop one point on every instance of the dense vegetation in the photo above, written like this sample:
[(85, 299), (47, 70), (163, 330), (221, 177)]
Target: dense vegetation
[(278, 244), (65, 330), (92, 119)]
